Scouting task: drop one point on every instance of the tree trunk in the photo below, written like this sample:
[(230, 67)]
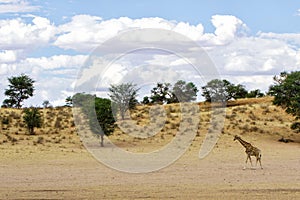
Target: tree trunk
[(101, 142)]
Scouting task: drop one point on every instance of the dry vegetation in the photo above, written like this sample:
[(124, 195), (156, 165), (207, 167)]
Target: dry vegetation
[(53, 163), (243, 117), (252, 117), (58, 129)]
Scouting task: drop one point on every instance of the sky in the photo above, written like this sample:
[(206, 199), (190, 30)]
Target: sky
[(51, 41)]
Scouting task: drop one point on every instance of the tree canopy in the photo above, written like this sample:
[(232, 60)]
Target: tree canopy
[(164, 93), (222, 90), (98, 111), (161, 93), (184, 92), (255, 94), (124, 97), (19, 88), (286, 92)]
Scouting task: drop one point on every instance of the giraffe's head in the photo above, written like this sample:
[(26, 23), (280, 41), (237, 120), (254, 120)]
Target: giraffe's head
[(236, 137)]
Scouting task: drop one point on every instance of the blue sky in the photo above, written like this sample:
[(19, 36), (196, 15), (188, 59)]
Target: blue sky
[(250, 41), (279, 16), (260, 15)]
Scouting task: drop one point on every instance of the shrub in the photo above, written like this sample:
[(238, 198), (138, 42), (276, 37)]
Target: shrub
[(5, 121), (32, 119), (40, 140)]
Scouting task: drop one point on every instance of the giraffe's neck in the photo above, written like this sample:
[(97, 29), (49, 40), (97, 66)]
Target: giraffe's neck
[(244, 143)]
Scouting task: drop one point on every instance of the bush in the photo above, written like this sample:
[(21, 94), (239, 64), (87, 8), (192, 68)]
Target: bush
[(32, 119), (5, 121)]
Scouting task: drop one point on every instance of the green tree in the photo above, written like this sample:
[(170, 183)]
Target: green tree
[(237, 91), (222, 91), (98, 111), (105, 116), (286, 92), (124, 97), (216, 90), (161, 93), (69, 101), (255, 94), (32, 119), (19, 88), (46, 104), (184, 92), (146, 100)]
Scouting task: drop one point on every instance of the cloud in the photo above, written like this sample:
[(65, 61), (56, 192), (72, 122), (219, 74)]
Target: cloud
[(252, 82), (291, 38), (16, 6), (255, 55), (44, 64), (227, 29), (54, 76), (85, 32), (18, 37), (56, 62), (247, 59), (53, 89), (8, 56)]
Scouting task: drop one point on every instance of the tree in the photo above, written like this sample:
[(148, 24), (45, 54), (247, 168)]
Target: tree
[(216, 90), (146, 100), (237, 91), (8, 103), (46, 104), (161, 93), (255, 94), (184, 92), (286, 92), (19, 88), (98, 111), (105, 116), (124, 97), (222, 91), (69, 101), (32, 119)]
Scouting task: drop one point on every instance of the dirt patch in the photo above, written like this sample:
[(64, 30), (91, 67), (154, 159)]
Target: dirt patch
[(53, 164), (56, 174)]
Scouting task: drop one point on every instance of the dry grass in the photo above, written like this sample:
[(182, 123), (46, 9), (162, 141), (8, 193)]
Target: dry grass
[(251, 117), (54, 164), (243, 117), (58, 127)]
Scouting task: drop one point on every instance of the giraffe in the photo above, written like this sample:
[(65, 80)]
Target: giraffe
[(250, 151)]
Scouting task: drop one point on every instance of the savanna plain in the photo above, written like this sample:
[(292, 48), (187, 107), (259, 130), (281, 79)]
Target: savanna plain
[(53, 163)]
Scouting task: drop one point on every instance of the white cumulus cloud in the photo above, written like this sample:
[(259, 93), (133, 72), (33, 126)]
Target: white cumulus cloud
[(16, 6), (16, 34), (251, 60), (85, 32)]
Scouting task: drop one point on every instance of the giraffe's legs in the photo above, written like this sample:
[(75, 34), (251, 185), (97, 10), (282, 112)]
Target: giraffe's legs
[(245, 163), (260, 163), (250, 161), (248, 157), (258, 159)]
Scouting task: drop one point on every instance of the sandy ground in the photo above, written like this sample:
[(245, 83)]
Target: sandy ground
[(53, 172)]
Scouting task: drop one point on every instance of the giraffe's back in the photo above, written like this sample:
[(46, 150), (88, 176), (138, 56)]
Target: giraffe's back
[(253, 151)]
